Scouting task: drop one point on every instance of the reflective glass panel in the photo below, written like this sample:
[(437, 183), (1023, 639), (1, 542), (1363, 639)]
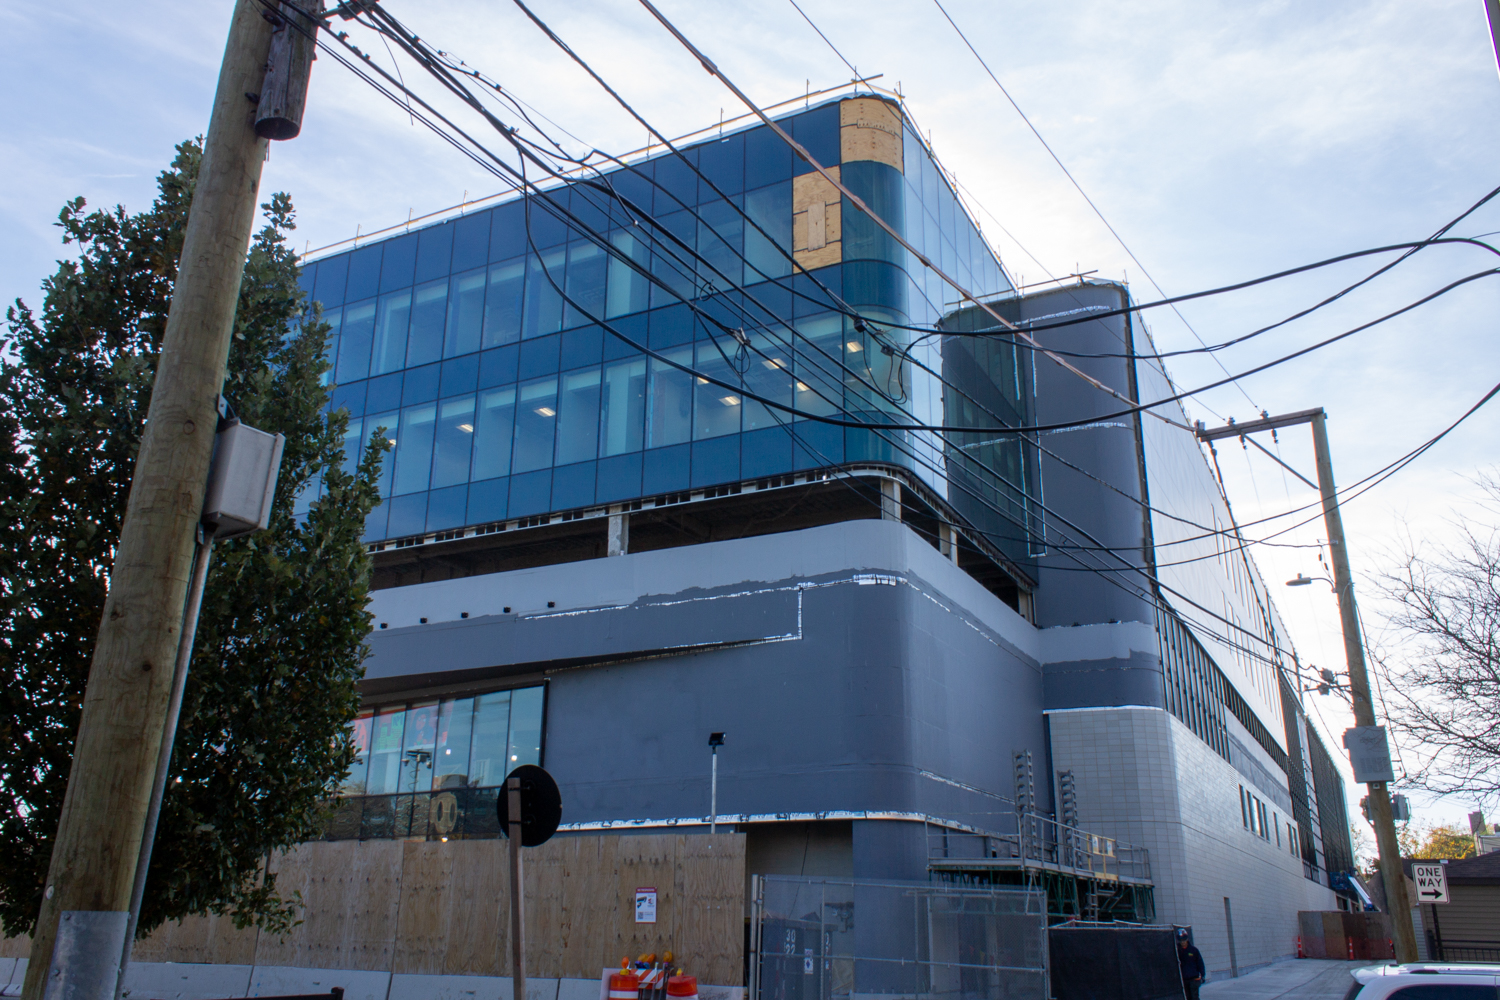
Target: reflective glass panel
[(450, 767), (768, 374), (359, 734), (717, 410), (502, 304), (587, 263), (419, 747), (391, 323), (487, 763), (629, 290), (493, 433), (388, 459), (428, 314), (536, 421), (578, 417), (355, 338), (385, 751), (525, 727), (622, 408), (670, 401), (454, 441), (414, 448), (544, 306)]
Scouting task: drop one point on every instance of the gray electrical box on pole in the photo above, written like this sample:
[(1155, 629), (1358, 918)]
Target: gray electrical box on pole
[(243, 481)]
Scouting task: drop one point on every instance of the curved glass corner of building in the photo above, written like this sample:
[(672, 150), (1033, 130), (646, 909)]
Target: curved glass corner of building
[(500, 350)]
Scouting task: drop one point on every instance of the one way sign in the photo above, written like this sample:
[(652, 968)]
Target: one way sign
[(1432, 883)]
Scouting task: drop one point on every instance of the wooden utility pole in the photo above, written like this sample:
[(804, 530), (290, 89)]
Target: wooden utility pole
[(80, 931), (1354, 654)]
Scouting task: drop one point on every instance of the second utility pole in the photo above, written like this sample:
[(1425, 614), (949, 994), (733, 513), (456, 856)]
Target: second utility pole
[(1394, 879), (85, 903)]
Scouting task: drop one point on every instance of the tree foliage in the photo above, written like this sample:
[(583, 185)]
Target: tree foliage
[(1435, 843), (1445, 674), (263, 736)]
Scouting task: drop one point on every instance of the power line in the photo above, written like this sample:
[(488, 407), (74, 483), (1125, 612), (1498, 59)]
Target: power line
[(1074, 181)]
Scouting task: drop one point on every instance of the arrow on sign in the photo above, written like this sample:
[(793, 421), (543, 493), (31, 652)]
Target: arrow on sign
[(1434, 893)]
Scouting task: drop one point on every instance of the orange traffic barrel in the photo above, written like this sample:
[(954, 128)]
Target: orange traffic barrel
[(623, 986), (683, 987)]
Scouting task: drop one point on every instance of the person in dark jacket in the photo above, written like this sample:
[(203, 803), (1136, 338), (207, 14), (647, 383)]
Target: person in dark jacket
[(1190, 959)]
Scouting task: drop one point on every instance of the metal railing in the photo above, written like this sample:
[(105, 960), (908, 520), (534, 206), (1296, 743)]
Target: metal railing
[(1037, 841), (1449, 950)]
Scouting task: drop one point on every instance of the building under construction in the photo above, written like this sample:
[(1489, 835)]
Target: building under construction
[(695, 446)]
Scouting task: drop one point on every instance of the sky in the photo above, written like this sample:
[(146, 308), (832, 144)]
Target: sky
[(1222, 141)]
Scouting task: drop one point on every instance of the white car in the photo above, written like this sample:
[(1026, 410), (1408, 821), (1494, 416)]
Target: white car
[(1426, 981)]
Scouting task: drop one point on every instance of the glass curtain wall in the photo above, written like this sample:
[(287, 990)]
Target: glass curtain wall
[(431, 769), (479, 344)]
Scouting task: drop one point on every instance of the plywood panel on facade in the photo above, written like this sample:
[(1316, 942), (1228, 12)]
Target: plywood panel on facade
[(15, 947), (424, 915), (871, 129), (643, 862), (817, 221), (351, 895), (479, 910), (213, 939), (709, 921)]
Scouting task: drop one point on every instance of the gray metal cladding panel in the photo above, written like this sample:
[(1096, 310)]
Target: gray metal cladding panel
[(1117, 681), (450, 650), (888, 701)]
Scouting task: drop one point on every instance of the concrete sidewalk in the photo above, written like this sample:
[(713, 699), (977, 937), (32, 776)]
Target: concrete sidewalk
[(1298, 979)]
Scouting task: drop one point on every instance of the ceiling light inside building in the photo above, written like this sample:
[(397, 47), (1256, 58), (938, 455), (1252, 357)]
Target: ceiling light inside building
[(854, 346), (466, 428), (730, 400), (546, 411)]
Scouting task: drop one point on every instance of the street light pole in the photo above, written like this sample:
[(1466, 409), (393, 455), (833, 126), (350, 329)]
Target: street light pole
[(1354, 653), (715, 740)]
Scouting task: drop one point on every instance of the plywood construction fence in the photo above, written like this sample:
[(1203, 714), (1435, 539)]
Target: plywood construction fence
[(433, 908), (1340, 935)]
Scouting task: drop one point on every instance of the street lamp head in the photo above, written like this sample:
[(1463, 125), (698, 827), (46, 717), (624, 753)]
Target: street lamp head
[(715, 739), (1300, 581)]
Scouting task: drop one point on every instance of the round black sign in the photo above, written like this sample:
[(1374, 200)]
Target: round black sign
[(541, 805)]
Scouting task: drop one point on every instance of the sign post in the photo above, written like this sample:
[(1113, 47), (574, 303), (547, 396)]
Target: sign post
[(529, 807), (1432, 882)]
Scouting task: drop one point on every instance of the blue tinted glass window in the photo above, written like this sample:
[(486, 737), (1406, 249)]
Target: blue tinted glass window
[(420, 384), (530, 493), (502, 303), (587, 264), (769, 375), (307, 278), (877, 285), (364, 273), (539, 357), (335, 319), (391, 324), (374, 425), (414, 449), (628, 288), (622, 408), (536, 424), (498, 366), (670, 400), (400, 264), (493, 432), (583, 346), (716, 460), (471, 241), (723, 163), (767, 452), (354, 444), (671, 264), (383, 393), (460, 375), (767, 249), (818, 382), (578, 417), (717, 409), (665, 469), (590, 207), (445, 508), (349, 397), (488, 765), (454, 441), (676, 182), (818, 132), (768, 159), (487, 500), (817, 445), (721, 241), (544, 276), (631, 330), (882, 189), (546, 220), (670, 327), (618, 478), (465, 313), (375, 521), (332, 274), (385, 752), (429, 310), (355, 339), (434, 252), (573, 485), (408, 516), (508, 231)]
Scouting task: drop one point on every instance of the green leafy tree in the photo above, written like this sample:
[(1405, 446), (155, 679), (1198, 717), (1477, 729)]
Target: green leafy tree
[(263, 737)]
